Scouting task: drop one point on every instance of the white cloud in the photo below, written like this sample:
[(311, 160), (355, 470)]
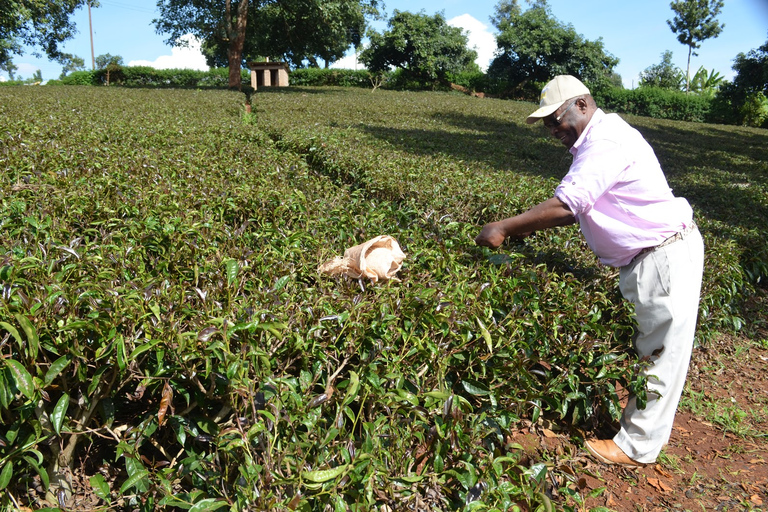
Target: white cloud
[(479, 38), (25, 70), (190, 57), (348, 62)]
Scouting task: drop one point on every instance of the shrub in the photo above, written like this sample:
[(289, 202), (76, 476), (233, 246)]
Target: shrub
[(655, 102), (754, 111), (330, 77), (146, 76), (473, 80), (76, 78)]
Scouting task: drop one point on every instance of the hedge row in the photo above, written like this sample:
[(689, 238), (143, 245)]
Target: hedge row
[(145, 76), (655, 102), (645, 101)]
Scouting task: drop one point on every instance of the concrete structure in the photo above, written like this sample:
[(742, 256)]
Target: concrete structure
[(269, 74)]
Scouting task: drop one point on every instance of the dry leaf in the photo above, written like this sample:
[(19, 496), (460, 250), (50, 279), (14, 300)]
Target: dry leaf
[(756, 499), (165, 403), (662, 472), (548, 433), (659, 485)]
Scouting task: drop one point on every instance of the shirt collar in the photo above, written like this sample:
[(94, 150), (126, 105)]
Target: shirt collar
[(596, 118)]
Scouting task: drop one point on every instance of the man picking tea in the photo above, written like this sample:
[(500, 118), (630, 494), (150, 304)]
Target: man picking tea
[(616, 191)]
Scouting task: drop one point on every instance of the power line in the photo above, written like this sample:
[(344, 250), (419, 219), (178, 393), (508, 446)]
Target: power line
[(127, 6)]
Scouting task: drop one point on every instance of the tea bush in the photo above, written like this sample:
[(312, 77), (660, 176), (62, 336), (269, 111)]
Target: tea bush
[(168, 343)]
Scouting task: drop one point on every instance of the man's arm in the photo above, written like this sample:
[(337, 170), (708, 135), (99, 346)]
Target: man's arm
[(548, 214)]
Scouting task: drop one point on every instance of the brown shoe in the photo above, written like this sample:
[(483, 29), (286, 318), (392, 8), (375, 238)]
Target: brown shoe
[(607, 452)]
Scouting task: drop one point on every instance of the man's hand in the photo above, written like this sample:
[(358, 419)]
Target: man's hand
[(492, 235), (547, 214)]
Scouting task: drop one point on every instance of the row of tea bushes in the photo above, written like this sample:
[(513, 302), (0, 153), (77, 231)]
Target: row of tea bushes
[(168, 343)]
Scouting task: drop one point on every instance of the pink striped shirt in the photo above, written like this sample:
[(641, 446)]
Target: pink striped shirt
[(616, 189)]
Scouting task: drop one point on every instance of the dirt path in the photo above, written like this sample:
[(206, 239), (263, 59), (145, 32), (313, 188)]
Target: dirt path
[(717, 457)]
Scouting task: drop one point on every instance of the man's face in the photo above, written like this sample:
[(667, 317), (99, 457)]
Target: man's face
[(567, 122)]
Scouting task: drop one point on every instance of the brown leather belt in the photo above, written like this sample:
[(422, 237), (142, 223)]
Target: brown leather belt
[(674, 238)]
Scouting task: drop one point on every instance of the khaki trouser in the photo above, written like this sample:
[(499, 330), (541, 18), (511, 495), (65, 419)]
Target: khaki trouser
[(664, 285)]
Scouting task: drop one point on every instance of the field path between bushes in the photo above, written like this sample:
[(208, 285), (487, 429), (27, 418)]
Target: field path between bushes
[(707, 464)]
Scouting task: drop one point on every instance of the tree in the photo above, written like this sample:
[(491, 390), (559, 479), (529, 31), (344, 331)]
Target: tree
[(207, 19), (300, 32), (506, 10), (752, 70), (40, 25), (694, 22), (706, 83), (533, 46), (71, 63), (664, 75), (10, 68), (106, 60), (305, 31), (294, 30), (744, 100), (426, 48)]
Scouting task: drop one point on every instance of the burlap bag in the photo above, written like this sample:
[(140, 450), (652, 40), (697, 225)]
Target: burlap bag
[(378, 258)]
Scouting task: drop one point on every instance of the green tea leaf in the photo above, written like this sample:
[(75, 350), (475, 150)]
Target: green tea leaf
[(37, 465), (323, 475), (280, 284), (354, 385), (134, 480), (6, 474), (5, 272), (475, 388), (486, 335), (100, 486), (33, 342), (59, 413), (55, 369), (208, 504), (22, 377), (5, 390), (15, 333), (232, 269), (121, 362)]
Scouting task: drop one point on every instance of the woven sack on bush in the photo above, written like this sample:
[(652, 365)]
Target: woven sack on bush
[(378, 258)]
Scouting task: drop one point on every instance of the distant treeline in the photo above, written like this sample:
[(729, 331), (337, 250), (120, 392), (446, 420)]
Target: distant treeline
[(643, 101)]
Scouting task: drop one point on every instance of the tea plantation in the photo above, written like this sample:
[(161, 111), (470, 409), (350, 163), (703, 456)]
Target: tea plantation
[(166, 341)]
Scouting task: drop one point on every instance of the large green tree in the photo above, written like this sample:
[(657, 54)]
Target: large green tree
[(41, 25), (694, 22), (752, 70), (745, 100), (205, 19), (425, 47), (664, 75), (533, 46), (299, 31), (305, 31)]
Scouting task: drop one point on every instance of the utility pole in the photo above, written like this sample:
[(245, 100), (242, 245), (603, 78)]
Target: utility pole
[(90, 26)]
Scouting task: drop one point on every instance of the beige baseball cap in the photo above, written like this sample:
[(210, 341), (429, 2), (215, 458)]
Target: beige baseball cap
[(559, 90)]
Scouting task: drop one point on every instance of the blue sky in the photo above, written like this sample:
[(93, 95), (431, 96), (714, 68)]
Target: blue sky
[(634, 31)]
